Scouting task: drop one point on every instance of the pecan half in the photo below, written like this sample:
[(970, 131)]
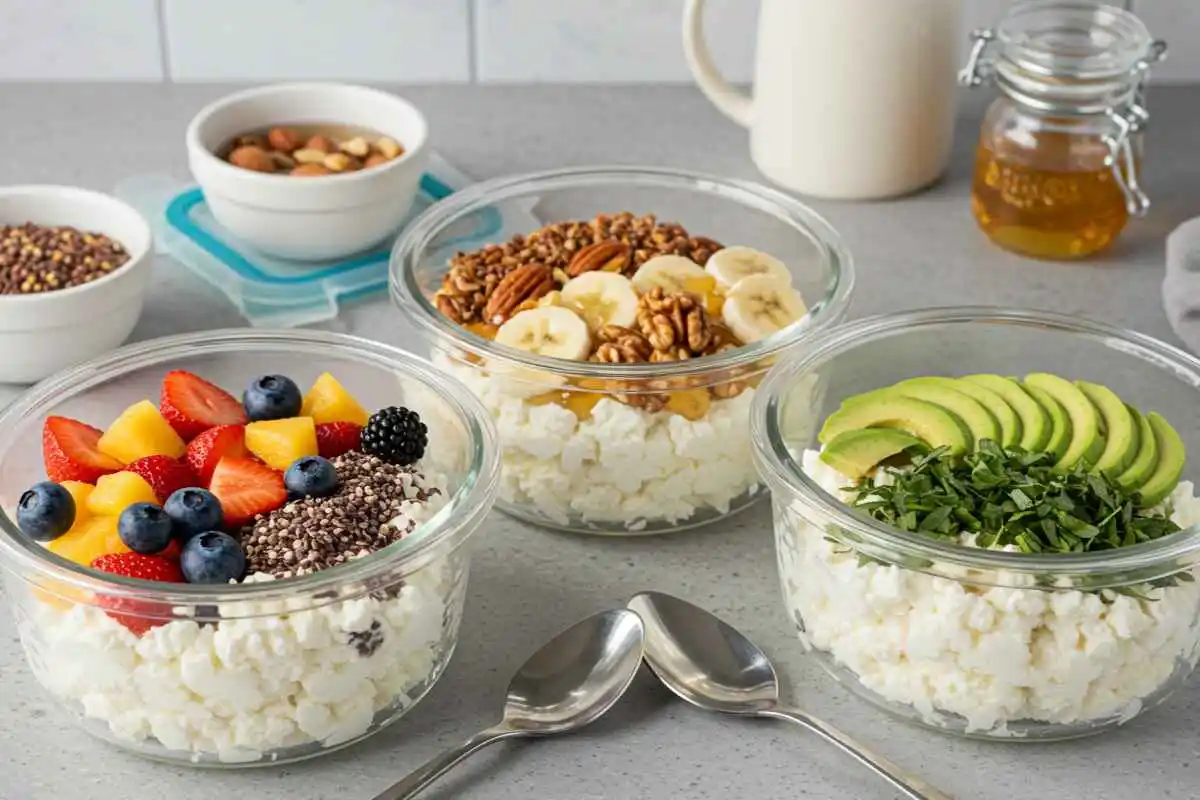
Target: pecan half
[(527, 282), (611, 256)]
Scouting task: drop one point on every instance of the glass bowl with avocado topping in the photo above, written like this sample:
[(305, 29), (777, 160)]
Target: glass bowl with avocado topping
[(985, 518)]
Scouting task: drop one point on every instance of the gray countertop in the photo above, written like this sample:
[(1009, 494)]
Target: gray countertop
[(527, 583)]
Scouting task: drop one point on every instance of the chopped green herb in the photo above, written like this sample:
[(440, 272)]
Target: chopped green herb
[(1009, 498)]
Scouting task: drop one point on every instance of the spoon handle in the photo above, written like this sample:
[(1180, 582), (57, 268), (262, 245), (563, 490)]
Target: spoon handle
[(909, 785), (421, 778)]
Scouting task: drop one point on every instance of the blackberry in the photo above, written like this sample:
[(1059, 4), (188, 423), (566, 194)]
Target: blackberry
[(395, 435)]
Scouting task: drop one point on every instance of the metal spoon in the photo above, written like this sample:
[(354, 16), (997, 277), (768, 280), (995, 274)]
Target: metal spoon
[(570, 682), (712, 666)]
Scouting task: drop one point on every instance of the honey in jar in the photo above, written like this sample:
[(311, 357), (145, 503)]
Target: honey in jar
[(1059, 154)]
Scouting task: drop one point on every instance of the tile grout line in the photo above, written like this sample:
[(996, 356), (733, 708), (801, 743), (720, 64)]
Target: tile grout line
[(164, 48), (472, 42)]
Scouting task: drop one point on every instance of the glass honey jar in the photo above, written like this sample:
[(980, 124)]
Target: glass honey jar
[(1059, 155)]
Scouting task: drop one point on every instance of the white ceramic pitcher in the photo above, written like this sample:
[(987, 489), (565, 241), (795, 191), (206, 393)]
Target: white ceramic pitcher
[(853, 99)]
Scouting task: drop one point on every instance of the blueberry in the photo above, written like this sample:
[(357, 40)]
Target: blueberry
[(45, 511), (212, 557), (310, 476), (144, 528), (272, 397), (193, 511)]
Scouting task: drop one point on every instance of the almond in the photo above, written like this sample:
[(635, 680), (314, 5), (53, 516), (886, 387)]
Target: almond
[(526, 282), (611, 256), (285, 140), (375, 159), (340, 162), (310, 170), (252, 158), (322, 143)]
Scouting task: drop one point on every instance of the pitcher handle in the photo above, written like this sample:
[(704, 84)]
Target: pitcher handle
[(738, 106)]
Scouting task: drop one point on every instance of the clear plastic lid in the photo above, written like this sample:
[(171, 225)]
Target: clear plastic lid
[(276, 292)]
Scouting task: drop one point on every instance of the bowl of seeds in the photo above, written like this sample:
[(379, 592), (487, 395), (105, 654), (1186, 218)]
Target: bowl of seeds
[(74, 267)]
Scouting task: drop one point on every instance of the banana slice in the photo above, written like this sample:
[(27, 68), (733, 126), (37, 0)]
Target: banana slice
[(551, 331), (673, 274), (732, 264), (760, 305), (602, 298)]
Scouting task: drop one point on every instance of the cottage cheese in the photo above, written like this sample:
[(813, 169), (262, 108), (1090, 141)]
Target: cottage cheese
[(624, 465), (981, 658), (273, 676)]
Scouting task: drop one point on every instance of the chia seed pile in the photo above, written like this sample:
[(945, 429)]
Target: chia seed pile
[(315, 533)]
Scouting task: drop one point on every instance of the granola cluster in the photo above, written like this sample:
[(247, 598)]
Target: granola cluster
[(562, 250)]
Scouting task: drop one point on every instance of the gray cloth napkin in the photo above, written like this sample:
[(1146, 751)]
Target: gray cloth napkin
[(1181, 287)]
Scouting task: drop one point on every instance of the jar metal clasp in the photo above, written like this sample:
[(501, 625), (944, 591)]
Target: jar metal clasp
[(1127, 122), (973, 73)]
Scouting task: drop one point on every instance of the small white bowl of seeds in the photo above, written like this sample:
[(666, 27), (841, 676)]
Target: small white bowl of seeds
[(74, 268), (309, 171)]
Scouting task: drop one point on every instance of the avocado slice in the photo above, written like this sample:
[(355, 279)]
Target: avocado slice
[(1035, 421), (856, 452), (1006, 417), (979, 421), (1146, 458), (1171, 457), (1118, 426), (933, 424), (1060, 423), (1086, 442)]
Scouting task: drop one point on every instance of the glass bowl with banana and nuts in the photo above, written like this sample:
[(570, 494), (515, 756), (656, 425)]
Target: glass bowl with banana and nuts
[(617, 351)]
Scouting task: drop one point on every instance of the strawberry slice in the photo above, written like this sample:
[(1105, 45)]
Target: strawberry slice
[(335, 438), (164, 474), (138, 616), (246, 488), (193, 405), (223, 441), (71, 453)]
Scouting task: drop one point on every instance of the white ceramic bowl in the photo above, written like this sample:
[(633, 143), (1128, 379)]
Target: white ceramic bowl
[(308, 219), (43, 333)]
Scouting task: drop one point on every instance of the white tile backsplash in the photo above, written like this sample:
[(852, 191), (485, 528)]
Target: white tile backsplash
[(79, 40), (368, 40), (502, 41), (619, 41)]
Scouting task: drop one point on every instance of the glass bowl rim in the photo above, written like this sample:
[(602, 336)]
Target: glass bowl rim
[(1166, 556), (24, 557), (405, 293)]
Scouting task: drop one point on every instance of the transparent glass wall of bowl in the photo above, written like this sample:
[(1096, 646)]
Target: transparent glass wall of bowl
[(940, 635), (622, 449), (1057, 171), (259, 673)]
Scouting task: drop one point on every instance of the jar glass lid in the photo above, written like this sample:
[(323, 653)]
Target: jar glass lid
[(1073, 40)]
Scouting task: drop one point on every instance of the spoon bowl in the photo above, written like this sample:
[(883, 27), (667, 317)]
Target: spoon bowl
[(713, 666), (570, 682), (703, 660), (576, 677)]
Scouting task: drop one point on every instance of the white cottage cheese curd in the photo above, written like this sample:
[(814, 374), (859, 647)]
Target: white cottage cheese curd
[(991, 656), (270, 676), (622, 465)]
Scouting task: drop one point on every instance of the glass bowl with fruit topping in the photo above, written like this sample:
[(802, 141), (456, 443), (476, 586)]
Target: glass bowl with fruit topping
[(242, 547), (985, 519), (618, 350)]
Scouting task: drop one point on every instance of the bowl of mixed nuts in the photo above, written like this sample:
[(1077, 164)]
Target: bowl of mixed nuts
[(618, 346), (74, 268), (309, 171)]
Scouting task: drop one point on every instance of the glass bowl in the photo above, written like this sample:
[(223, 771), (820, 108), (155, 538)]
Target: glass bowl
[(621, 449), (982, 643), (258, 672)]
